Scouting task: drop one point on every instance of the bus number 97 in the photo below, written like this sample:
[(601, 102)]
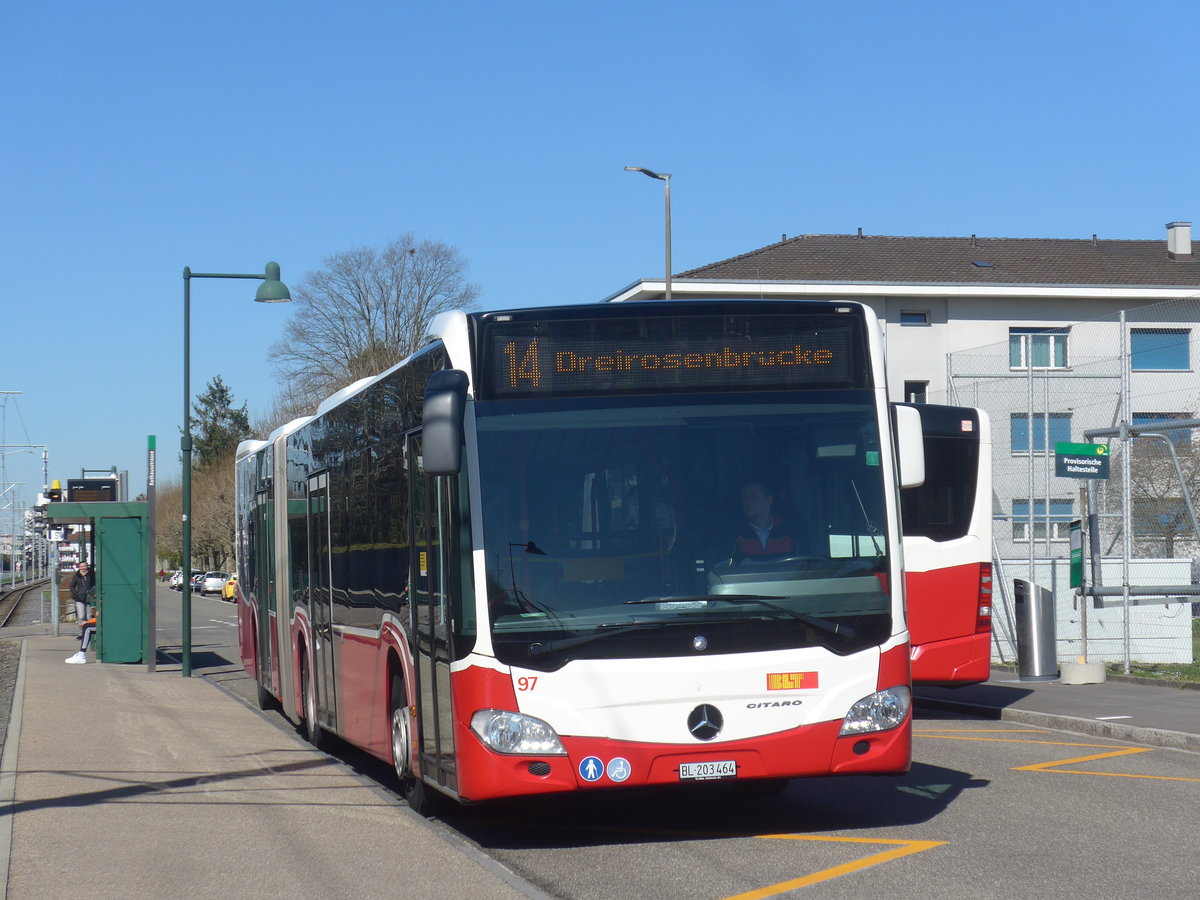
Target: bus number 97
[(527, 682)]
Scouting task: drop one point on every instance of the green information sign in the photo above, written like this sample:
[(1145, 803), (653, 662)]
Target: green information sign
[(1077, 553), (1081, 460)]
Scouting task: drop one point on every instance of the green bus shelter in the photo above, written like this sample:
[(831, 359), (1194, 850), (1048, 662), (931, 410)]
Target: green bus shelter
[(122, 546)]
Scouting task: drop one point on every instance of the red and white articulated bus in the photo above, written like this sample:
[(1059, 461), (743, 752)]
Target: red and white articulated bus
[(515, 563), (948, 548)]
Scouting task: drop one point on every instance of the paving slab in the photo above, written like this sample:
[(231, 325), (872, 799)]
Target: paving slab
[(119, 783)]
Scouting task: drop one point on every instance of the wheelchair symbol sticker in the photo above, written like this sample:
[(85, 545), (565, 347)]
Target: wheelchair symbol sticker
[(618, 769)]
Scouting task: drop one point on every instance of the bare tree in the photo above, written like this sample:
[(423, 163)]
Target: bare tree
[(1159, 513), (366, 310), (169, 519), (288, 403), (214, 514), (213, 517)]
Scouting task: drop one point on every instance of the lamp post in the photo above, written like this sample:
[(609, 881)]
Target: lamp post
[(664, 177), (272, 290)]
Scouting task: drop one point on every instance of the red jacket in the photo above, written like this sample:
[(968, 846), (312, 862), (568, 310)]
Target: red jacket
[(779, 542)]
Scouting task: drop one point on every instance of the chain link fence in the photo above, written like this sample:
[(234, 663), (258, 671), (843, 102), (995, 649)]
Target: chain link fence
[(1128, 381)]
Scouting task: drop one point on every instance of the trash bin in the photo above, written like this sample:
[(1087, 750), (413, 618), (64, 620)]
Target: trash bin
[(1036, 659)]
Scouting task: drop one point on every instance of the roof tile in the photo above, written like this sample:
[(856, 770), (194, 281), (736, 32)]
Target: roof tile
[(952, 260)]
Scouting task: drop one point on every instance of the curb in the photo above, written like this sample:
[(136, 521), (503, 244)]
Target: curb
[(1134, 734), (1122, 678), (8, 772)]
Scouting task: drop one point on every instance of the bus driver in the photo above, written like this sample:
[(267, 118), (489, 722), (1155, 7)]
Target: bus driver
[(764, 535)]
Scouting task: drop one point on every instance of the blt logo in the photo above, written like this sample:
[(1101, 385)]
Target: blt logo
[(791, 681)]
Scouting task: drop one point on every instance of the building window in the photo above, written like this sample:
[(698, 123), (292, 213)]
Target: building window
[(1162, 424), (1060, 431), (915, 391), (1057, 524), (1160, 349), (914, 317), (1041, 348)]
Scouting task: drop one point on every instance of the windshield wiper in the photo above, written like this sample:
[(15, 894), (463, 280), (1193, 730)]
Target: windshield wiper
[(844, 631), (545, 648), (872, 528)]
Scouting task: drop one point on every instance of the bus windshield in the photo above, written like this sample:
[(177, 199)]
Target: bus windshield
[(670, 526)]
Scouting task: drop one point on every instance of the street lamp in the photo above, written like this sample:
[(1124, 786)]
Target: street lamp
[(272, 290), (664, 177)]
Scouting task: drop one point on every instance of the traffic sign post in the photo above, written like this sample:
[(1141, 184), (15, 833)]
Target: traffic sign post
[(1081, 671), (1081, 461)]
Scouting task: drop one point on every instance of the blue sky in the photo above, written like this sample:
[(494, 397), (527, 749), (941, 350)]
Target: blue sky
[(140, 137)]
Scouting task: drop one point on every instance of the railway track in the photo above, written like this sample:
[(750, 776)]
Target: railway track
[(12, 598)]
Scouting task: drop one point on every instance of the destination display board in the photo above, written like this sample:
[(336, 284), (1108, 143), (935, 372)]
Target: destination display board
[(91, 490), (672, 354)]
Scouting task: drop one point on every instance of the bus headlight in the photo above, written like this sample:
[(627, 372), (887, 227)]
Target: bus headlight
[(510, 732), (878, 712)]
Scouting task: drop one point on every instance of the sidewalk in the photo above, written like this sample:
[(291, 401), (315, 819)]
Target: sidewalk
[(1125, 709), (118, 783)]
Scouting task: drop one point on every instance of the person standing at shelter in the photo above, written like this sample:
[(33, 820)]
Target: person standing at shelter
[(85, 640), (83, 586)]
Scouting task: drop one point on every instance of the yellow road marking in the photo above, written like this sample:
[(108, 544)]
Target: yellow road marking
[(901, 849), (1053, 767), (934, 732), (1078, 759), (948, 737)]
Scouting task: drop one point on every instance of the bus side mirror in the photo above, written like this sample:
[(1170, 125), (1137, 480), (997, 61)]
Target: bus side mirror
[(910, 445), (442, 422)]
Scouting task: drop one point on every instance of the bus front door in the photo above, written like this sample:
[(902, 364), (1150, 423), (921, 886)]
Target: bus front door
[(262, 589), (320, 607), (431, 619)]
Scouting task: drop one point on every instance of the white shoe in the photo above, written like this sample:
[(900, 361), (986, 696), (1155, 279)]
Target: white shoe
[(78, 659)]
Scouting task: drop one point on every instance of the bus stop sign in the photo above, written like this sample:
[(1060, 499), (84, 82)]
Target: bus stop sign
[(1081, 460)]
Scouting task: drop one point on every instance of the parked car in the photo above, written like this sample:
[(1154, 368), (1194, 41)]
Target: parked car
[(196, 581), (176, 582), (229, 592), (213, 582)]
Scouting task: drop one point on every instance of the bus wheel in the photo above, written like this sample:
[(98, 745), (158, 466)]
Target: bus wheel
[(421, 799), (264, 697), (312, 728)]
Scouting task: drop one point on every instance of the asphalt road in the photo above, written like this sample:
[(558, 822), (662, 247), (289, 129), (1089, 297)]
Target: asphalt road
[(989, 809)]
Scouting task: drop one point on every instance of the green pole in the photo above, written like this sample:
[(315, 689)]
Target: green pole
[(272, 290), (151, 553), (185, 446)]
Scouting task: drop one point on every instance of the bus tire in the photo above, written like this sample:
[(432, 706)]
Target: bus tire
[(421, 799), (313, 732), (266, 699)]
